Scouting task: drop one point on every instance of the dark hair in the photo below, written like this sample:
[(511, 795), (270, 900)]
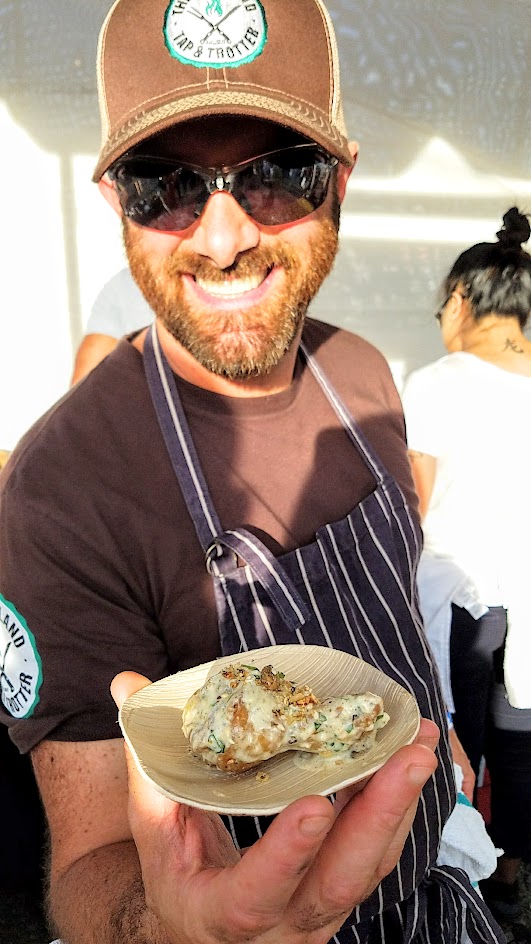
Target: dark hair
[(496, 277)]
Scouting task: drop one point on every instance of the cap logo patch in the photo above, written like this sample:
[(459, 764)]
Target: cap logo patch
[(20, 663), (215, 33)]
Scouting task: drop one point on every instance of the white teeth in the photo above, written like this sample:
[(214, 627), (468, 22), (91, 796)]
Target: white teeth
[(231, 286)]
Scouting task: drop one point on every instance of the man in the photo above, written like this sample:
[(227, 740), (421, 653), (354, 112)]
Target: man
[(235, 477)]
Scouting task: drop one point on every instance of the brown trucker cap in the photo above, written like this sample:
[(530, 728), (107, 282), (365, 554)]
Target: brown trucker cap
[(162, 62)]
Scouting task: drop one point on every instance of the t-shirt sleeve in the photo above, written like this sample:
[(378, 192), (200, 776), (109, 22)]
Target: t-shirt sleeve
[(119, 308), (72, 615), (423, 403)]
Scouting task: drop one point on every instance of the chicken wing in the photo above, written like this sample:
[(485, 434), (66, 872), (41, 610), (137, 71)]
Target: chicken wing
[(243, 715)]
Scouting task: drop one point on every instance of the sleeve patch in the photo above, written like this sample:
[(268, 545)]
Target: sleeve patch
[(20, 663)]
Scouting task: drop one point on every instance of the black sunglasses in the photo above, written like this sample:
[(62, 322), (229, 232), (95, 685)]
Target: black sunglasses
[(276, 188), (442, 306)]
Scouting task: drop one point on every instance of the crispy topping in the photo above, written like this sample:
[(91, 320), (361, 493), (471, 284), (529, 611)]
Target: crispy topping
[(271, 681)]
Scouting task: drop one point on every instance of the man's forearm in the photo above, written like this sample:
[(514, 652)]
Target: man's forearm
[(100, 900)]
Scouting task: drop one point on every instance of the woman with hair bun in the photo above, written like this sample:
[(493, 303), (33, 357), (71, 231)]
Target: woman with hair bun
[(468, 419)]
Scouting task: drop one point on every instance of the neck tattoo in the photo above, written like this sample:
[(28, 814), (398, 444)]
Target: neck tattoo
[(513, 346)]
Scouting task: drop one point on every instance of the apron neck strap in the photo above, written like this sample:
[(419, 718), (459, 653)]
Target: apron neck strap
[(179, 443)]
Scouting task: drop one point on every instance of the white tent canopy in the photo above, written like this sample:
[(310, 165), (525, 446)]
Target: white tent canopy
[(436, 94)]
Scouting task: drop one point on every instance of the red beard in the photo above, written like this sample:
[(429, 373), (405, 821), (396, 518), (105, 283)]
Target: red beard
[(236, 344)]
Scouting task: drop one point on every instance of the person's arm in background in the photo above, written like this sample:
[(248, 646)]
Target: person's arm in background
[(181, 880), (461, 759), (92, 350), (423, 469)]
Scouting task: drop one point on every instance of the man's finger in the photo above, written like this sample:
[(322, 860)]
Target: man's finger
[(145, 802), (428, 734), (126, 684), (355, 855), (264, 880)]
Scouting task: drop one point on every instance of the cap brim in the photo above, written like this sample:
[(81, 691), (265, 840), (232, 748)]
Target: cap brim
[(241, 104)]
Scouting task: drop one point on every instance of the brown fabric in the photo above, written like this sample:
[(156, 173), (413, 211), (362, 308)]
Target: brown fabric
[(97, 551), (145, 88)]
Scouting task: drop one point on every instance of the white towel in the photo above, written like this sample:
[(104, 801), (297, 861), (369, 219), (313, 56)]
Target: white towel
[(465, 842)]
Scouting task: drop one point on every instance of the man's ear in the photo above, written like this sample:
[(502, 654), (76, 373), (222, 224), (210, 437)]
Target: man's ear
[(344, 172), (106, 187)]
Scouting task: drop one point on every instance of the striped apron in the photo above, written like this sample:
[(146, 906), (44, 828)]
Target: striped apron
[(352, 589)]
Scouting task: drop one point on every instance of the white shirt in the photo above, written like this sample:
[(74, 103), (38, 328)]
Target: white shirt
[(474, 418), (119, 308)]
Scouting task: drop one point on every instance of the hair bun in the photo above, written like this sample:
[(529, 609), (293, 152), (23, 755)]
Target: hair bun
[(516, 229)]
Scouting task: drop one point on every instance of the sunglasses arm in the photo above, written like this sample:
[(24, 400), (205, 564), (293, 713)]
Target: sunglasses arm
[(108, 189), (344, 172)]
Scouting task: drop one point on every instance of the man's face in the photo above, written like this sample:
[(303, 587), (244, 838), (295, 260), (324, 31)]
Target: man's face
[(232, 292)]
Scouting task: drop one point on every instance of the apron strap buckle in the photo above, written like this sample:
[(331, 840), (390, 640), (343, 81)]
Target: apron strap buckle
[(220, 560)]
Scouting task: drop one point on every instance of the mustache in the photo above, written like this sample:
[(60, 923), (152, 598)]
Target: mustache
[(248, 263)]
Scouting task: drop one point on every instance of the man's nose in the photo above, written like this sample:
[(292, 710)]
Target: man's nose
[(224, 230)]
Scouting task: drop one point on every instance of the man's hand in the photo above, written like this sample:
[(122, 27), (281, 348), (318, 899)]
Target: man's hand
[(300, 881)]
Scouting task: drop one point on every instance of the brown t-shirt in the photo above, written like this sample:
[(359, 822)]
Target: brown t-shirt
[(99, 558)]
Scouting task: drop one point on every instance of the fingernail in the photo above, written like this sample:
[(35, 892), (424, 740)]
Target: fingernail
[(419, 775), (315, 825)]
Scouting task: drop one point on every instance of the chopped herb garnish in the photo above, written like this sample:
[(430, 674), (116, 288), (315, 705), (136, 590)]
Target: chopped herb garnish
[(336, 746), (217, 745)]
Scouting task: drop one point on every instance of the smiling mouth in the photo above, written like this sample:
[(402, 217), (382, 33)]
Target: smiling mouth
[(233, 286)]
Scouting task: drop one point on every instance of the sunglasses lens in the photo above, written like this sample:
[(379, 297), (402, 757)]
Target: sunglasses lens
[(275, 189), (151, 194), (284, 187)]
